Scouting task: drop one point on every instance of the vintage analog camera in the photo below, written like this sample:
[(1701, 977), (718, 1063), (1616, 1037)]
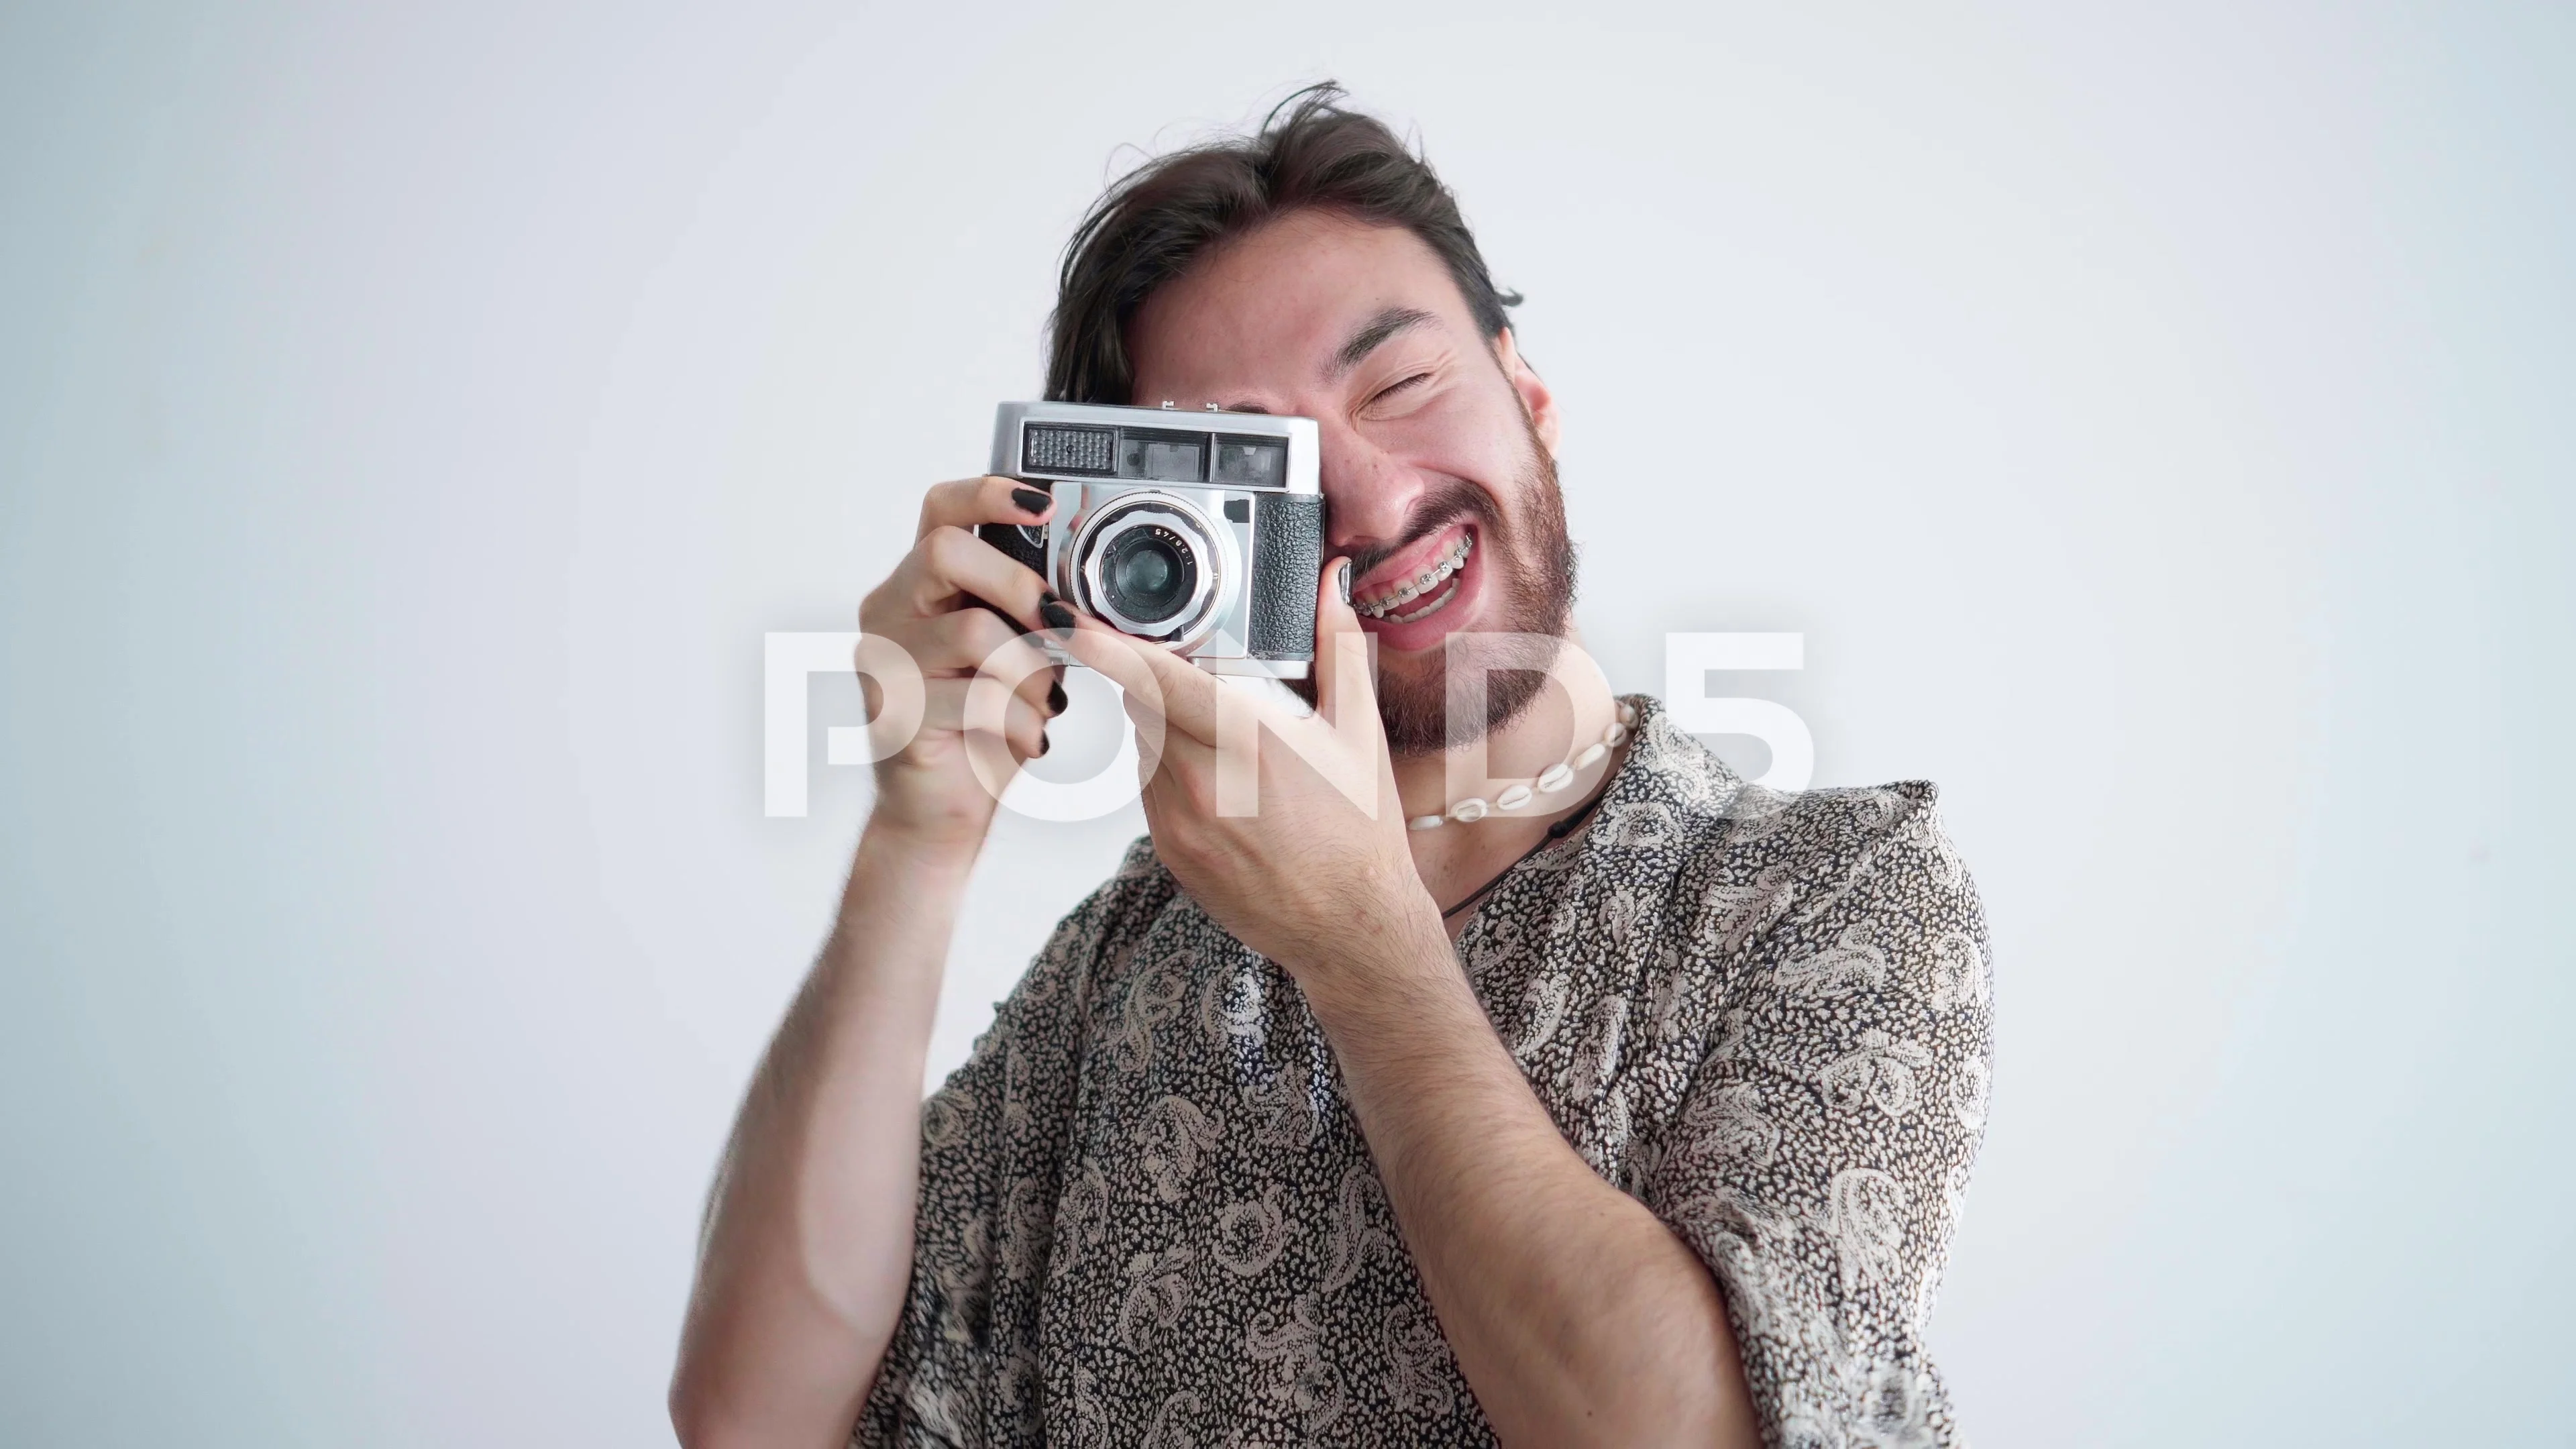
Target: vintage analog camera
[(1203, 531)]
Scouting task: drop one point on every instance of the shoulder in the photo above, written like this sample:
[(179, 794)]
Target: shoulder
[(1722, 823), (1823, 831), (1090, 941), (1863, 884), (1828, 894), (1131, 897), (1139, 862), (1756, 871)]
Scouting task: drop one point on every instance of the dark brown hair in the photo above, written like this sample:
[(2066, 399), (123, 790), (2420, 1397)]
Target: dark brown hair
[(1155, 222)]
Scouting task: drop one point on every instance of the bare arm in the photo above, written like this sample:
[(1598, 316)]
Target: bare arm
[(808, 1243), (1576, 1315)]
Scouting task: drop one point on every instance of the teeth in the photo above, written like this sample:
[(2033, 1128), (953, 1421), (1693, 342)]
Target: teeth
[(1429, 580), (1427, 610)]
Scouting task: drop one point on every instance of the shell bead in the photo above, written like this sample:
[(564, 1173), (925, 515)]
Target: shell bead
[(1554, 778)]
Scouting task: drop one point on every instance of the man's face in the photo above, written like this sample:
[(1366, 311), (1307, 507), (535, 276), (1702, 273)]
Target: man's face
[(1437, 445)]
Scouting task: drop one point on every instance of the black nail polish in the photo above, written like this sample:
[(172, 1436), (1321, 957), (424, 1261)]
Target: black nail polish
[(1032, 500), (1055, 699), (1057, 616), (1345, 579), (1044, 744)]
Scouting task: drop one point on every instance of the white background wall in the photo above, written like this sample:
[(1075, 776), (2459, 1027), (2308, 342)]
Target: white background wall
[(2156, 418)]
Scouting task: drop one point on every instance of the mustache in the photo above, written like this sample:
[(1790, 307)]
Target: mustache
[(1441, 507)]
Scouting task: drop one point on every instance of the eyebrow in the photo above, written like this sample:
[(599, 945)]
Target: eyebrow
[(1374, 333)]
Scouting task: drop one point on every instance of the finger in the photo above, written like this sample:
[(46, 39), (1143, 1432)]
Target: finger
[(1182, 760), (1044, 690), (989, 499), (949, 705), (963, 641), (950, 564), (1335, 622), (1155, 679), (1035, 677), (977, 641)]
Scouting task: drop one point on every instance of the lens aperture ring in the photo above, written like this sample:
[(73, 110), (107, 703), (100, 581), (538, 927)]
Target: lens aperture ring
[(1149, 564)]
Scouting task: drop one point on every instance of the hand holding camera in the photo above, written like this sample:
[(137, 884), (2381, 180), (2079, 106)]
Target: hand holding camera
[(929, 606), (1199, 532), (1318, 874)]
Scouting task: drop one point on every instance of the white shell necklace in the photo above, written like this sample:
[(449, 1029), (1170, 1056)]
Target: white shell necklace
[(1516, 799)]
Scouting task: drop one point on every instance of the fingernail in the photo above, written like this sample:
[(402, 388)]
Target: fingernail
[(1032, 500), (1058, 617), (1044, 744), (1055, 699), (1342, 576)]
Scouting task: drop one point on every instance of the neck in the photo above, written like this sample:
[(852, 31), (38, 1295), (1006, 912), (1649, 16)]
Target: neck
[(1560, 722)]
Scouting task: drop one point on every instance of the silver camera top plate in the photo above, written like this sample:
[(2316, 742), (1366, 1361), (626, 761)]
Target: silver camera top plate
[(1091, 442)]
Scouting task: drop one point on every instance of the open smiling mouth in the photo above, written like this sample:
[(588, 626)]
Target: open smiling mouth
[(1438, 583)]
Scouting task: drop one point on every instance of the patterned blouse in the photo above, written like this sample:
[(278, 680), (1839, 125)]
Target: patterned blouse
[(1148, 1217)]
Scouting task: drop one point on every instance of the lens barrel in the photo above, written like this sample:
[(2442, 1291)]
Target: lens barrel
[(1149, 564), (1147, 573)]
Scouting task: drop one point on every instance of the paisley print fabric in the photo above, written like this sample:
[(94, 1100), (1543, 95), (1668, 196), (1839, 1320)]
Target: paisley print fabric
[(1148, 1217)]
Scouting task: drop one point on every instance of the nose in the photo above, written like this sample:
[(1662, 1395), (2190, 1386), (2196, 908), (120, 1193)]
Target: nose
[(1368, 493)]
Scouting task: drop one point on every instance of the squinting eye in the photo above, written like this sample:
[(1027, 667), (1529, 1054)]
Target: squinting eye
[(1392, 390)]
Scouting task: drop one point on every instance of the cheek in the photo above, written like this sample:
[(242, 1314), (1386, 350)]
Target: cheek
[(1470, 438)]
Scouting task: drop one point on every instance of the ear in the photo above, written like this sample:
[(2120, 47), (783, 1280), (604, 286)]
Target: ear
[(1536, 399)]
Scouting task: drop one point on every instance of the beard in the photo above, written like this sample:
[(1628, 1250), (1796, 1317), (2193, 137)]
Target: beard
[(1529, 573)]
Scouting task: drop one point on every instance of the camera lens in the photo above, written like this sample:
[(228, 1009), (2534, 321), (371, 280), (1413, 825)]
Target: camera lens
[(1152, 565), (1148, 573)]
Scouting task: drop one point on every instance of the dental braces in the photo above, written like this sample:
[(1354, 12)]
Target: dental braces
[(1414, 588)]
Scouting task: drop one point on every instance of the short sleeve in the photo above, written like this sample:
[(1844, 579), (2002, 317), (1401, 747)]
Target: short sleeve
[(962, 1367), (1820, 1152)]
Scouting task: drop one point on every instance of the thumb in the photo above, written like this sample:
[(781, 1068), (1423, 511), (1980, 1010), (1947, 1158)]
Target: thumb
[(1337, 634)]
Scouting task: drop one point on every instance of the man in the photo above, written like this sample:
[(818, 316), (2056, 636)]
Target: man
[(1630, 1106)]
